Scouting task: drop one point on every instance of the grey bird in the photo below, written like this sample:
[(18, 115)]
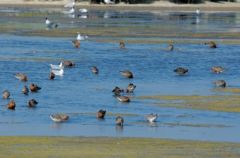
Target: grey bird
[(59, 117), (217, 69), (127, 74), (123, 98), (130, 88), (101, 114), (25, 90), (117, 91), (5, 94), (119, 121), (151, 117), (21, 77), (181, 70), (32, 103), (220, 83), (94, 70)]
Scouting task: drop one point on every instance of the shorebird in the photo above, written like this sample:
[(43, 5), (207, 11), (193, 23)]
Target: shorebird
[(181, 70), (25, 90), (60, 66), (151, 117), (211, 44), (11, 105), (83, 10), (94, 70), (119, 120), (76, 43), (5, 94), (101, 113), (81, 37), (51, 76), (170, 47), (21, 77), (68, 63), (117, 91), (127, 74), (123, 98), (58, 72), (32, 103), (34, 88), (122, 44), (59, 117), (220, 83), (50, 24), (217, 69), (130, 88), (197, 11)]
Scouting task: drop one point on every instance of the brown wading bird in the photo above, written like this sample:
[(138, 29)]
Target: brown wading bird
[(181, 70), (68, 63), (211, 44), (76, 43), (32, 103), (123, 99), (122, 44), (101, 113), (119, 121), (25, 90), (5, 94), (220, 83), (11, 105), (59, 117), (130, 88), (127, 74), (51, 76), (217, 69), (94, 70), (34, 88), (21, 77), (117, 91)]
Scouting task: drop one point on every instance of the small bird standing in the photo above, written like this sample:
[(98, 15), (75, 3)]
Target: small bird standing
[(32, 103), (130, 88), (94, 70), (34, 88), (119, 121), (21, 77), (25, 90), (101, 114), (5, 94), (11, 105), (152, 117), (51, 76), (220, 83), (59, 117)]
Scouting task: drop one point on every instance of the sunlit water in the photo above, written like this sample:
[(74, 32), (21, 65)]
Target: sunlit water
[(80, 94)]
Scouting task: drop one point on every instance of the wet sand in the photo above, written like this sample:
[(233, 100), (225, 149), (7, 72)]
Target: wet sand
[(113, 147)]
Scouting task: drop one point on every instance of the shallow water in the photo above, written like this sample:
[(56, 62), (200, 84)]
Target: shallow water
[(80, 93)]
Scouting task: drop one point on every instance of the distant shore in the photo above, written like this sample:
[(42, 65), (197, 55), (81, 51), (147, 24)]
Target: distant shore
[(157, 5)]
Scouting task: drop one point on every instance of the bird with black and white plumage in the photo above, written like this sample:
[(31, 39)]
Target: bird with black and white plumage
[(59, 117), (119, 120), (5, 94), (101, 114), (50, 24), (220, 83), (130, 88), (151, 117), (181, 70)]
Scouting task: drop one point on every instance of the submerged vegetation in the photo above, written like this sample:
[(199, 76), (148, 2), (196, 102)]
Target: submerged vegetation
[(227, 103)]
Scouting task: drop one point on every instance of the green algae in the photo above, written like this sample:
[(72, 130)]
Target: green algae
[(226, 103), (60, 147)]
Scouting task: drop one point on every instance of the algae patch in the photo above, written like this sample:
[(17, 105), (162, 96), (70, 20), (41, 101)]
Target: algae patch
[(227, 103)]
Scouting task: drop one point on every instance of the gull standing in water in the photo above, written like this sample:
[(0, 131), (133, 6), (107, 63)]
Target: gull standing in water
[(81, 37), (58, 72)]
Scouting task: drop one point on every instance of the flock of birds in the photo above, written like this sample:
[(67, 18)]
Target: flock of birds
[(119, 93)]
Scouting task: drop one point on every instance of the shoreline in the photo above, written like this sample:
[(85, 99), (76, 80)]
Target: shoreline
[(102, 147), (156, 6)]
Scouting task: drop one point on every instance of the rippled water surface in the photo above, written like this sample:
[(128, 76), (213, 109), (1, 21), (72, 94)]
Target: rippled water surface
[(79, 93)]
